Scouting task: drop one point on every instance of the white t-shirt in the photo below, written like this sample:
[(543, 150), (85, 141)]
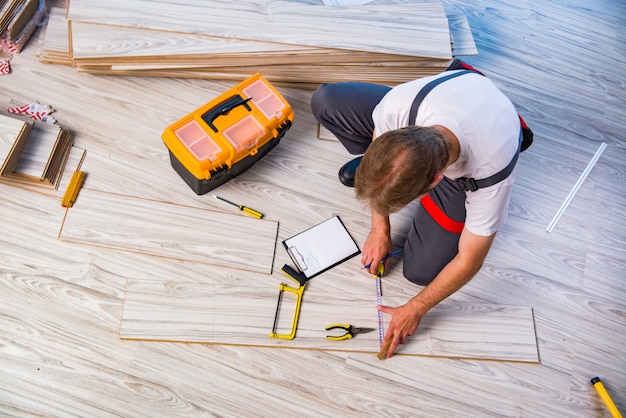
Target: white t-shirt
[(484, 121)]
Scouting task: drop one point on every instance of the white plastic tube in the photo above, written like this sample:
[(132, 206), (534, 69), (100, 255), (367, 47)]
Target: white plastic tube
[(582, 178)]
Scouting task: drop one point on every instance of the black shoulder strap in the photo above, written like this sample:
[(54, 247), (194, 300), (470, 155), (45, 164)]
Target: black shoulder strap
[(427, 88), (466, 184), (469, 184)]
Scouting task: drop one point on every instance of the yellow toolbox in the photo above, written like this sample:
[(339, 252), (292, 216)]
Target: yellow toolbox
[(226, 136)]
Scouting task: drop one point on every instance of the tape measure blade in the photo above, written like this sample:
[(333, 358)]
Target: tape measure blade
[(379, 301)]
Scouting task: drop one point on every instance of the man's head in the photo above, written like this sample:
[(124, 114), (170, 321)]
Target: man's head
[(400, 166)]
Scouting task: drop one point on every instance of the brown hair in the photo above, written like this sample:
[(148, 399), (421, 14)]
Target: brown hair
[(399, 166)]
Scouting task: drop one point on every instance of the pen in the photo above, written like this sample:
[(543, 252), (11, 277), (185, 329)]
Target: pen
[(242, 208), (396, 252)]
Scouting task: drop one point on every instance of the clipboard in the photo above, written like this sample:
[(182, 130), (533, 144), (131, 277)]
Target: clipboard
[(321, 247)]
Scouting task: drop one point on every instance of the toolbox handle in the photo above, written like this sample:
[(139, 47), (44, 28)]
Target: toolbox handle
[(223, 108)]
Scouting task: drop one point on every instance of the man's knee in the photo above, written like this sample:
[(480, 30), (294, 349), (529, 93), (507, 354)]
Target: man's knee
[(321, 99), (419, 277), (421, 267)]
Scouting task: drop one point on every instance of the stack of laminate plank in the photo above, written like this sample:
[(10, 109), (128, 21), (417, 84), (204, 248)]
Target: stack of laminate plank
[(54, 47), (33, 152), (15, 12), (18, 21), (287, 41), (13, 137)]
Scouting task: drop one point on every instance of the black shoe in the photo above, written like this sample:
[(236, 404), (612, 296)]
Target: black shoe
[(348, 171)]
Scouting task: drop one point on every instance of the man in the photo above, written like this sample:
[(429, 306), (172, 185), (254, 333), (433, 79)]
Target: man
[(465, 127)]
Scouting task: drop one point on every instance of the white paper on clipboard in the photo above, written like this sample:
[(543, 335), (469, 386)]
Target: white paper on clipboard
[(321, 247)]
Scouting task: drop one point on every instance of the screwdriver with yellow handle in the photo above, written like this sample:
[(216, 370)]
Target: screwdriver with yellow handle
[(242, 208), (604, 395)]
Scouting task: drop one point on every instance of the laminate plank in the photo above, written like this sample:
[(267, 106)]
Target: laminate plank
[(73, 161), (280, 78), (93, 41), (511, 386), (169, 230), (55, 42), (375, 28), (7, 12), (225, 373), (191, 312), (24, 14), (461, 33), (50, 362), (14, 134), (36, 156), (103, 49)]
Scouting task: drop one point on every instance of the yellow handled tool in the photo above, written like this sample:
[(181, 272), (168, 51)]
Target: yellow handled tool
[(72, 189), (382, 354), (301, 280), (606, 398), (242, 208), (350, 331)]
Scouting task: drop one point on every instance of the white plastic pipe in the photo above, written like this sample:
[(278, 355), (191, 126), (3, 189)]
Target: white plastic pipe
[(582, 178)]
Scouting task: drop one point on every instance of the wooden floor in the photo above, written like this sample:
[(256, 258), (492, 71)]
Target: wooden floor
[(561, 62)]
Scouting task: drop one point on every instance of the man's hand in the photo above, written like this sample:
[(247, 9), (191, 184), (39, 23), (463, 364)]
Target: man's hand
[(378, 242), (404, 323), (376, 247), (406, 318)]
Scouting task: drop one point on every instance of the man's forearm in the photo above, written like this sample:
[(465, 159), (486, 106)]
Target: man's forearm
[(380, 222), (452, 278), (473, 250)]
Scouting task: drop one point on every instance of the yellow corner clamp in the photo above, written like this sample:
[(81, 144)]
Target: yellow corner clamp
[(301, 279), (72, 189)]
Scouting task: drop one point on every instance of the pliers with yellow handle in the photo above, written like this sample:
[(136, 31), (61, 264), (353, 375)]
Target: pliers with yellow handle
[(350, 331)]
